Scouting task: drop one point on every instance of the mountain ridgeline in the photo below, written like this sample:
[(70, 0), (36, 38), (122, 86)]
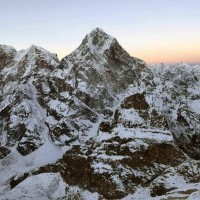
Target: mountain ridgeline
[(99, 123)]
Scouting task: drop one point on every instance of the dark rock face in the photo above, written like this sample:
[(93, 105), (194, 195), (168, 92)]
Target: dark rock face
[(78, 168), (4, 152), (28, 143), (160, 190), (105, 127), (6, 55), (136, 101)]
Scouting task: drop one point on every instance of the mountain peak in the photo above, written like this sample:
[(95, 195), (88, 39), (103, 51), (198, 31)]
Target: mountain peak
[(7, 49), (98, 41), (97, 30), (35, 51), (34, 48), (7, 53)]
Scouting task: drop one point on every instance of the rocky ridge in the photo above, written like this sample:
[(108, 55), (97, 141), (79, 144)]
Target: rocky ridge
[(99, 123)]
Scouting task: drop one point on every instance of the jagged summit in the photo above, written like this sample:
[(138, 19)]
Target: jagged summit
[(97, 29), (98, 41), (36, 51), (7, 53), (6, 48), (99, 33), (24, 63), (98, 68), (101, 47)]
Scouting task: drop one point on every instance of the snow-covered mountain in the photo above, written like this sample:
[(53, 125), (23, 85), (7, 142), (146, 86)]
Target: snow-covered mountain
[(98, 124)]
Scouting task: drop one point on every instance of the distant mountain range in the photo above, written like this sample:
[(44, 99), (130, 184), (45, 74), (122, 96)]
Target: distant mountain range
[(99, 124)]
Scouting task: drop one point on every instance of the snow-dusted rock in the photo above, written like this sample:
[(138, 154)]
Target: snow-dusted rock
[(110, 125), (99, 69), (7, 53)]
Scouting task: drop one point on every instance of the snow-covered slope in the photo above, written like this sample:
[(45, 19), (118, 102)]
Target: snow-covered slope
[(43, 186), (97, 124)]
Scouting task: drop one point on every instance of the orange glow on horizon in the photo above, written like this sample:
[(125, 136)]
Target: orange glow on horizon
[(152, 56), (169, 47), (155, 49)]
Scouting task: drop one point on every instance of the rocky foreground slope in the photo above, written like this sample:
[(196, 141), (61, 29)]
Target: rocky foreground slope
[(99, 124)]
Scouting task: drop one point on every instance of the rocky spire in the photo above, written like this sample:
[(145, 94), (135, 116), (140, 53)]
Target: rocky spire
[(99, 66), (98, 41)]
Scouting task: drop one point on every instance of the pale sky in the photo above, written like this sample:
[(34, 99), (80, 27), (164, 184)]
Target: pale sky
[(153, 30)]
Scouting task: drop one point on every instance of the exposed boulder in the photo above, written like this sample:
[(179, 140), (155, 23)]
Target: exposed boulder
[(136, 101)]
